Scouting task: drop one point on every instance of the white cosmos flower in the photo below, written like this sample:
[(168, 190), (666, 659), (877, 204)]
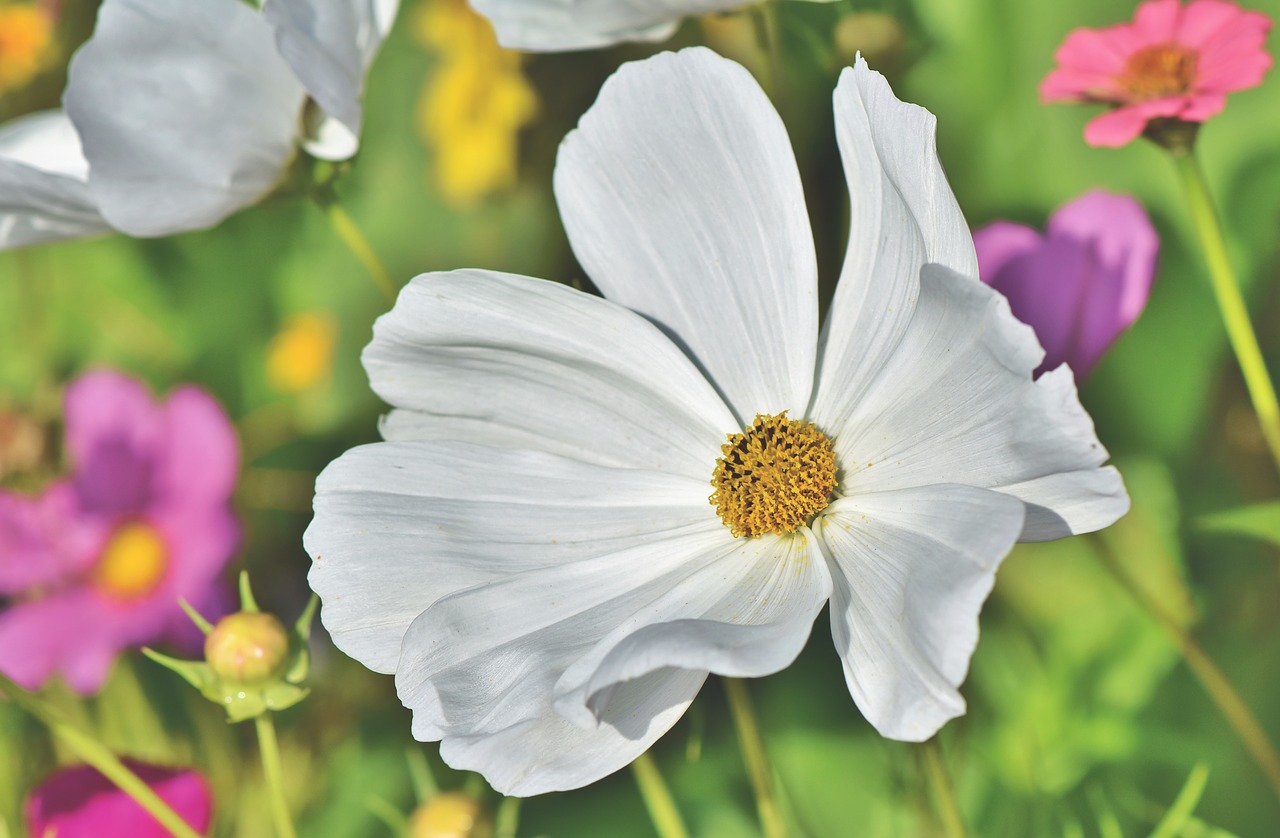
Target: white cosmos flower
[(178, 113), (562, 25), (532, 551)]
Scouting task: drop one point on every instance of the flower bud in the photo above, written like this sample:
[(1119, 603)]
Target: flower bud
[(247, 647), (451, 815)]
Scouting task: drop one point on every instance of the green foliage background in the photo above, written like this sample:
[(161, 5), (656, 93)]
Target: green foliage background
[(1083, 721)]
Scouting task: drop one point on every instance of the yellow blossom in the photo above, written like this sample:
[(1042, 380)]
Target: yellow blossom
[(474, 104), (301, 353), (26, 44)]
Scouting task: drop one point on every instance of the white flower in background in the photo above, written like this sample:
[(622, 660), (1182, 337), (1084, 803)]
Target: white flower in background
[(562, 25), (178, 113), (533, 553)]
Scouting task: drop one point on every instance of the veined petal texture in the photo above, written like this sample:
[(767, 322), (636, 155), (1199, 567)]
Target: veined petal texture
[(43, 193), (562, 25)]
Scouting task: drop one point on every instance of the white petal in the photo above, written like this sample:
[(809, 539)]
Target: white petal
[(330, 45), (956, 404), (558, 25), (745, 613), (186, 111), (682, 201), (488, 657), (517, 362), (551, 754), (43, 195), (399, 525), (902, 215), (911, 570)]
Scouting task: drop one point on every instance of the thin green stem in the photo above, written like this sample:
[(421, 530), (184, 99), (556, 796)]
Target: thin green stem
[(940, 789), (753, 754), (345, 226), (270, 751), (97, 755), (1215, 682), (764, 23), (657, 798), (1226, 290)]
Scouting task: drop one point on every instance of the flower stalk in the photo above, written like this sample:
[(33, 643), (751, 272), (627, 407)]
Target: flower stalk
[(269, 749), (1226, 290), (657, 798), (940, 789), (753, 754), (345, 226), (1215, 682), (100, 757)]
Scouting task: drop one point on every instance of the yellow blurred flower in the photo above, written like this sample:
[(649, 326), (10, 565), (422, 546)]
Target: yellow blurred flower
[(474, 104), (26, 44), (300, 355)]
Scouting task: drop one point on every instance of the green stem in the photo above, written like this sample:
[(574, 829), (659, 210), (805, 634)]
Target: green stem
[(1215, 682), (764, 23), (97, 755), (744, 719), (657, 798), (270, 751), (1226, 290), (345, 226), (944, 798)]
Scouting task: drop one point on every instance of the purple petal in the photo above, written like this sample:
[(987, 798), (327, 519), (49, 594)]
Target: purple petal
[(998, 243), (79, 802), (44, 540), (197, 455), (112, 426), (1081, 285), (72, 633)]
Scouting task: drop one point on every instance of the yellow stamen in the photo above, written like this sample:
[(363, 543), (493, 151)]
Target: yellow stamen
[(1159, 71), (133, 562), (774, 476)]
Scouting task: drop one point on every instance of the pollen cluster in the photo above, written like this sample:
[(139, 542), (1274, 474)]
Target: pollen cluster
[(1159, 71), (773, 477)]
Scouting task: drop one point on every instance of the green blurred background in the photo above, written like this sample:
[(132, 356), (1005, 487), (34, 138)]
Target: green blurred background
[(1083, 719)]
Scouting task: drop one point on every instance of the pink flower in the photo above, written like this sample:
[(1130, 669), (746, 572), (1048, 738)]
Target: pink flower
[(97, 563), (79, 802), (1172, 61), (1082, 283)]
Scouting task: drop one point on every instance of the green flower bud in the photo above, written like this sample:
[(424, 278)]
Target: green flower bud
[(247, 648), (451, 815)]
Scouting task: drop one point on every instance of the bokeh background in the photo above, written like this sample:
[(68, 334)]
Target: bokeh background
[(1083, 719)]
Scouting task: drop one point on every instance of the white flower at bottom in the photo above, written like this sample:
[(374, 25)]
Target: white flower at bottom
[(533, 551)]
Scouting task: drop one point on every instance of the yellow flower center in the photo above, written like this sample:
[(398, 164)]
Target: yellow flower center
[(1159, 71), (133, 563), (26, 41), (774, 476)]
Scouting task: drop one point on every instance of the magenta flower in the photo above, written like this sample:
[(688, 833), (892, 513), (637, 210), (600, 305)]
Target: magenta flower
[(78, 802), (1080, 284), (97, 563), (1172, 61)]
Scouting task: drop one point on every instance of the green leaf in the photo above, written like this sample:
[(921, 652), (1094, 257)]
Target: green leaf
[(1260, 521)]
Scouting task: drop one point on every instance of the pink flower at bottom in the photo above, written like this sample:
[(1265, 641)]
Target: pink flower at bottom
[(98, 562), (78, 802), (1172, 61), (1081, 283)]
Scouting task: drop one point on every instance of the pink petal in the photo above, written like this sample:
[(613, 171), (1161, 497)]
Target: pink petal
[(1091, 50), (1124, 125), (1201, 107), (44, 540), (197, 455), (79, 802), (69, 633), (1206, 22), (1065, 84), (1000, 242), (1157, 21), (103, 407), (1237, 65)]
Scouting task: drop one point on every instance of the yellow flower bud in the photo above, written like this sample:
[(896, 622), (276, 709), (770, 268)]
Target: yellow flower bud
[(451, 815), (247, 648)]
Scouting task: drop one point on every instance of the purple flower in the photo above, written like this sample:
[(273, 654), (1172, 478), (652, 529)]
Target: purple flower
[(97, 563), (1080, 284), (79, 802)]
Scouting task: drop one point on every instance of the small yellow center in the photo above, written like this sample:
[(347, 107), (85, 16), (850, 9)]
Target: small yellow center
[(133, 563), (1159, 71), (300, 356), (774, 476)]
